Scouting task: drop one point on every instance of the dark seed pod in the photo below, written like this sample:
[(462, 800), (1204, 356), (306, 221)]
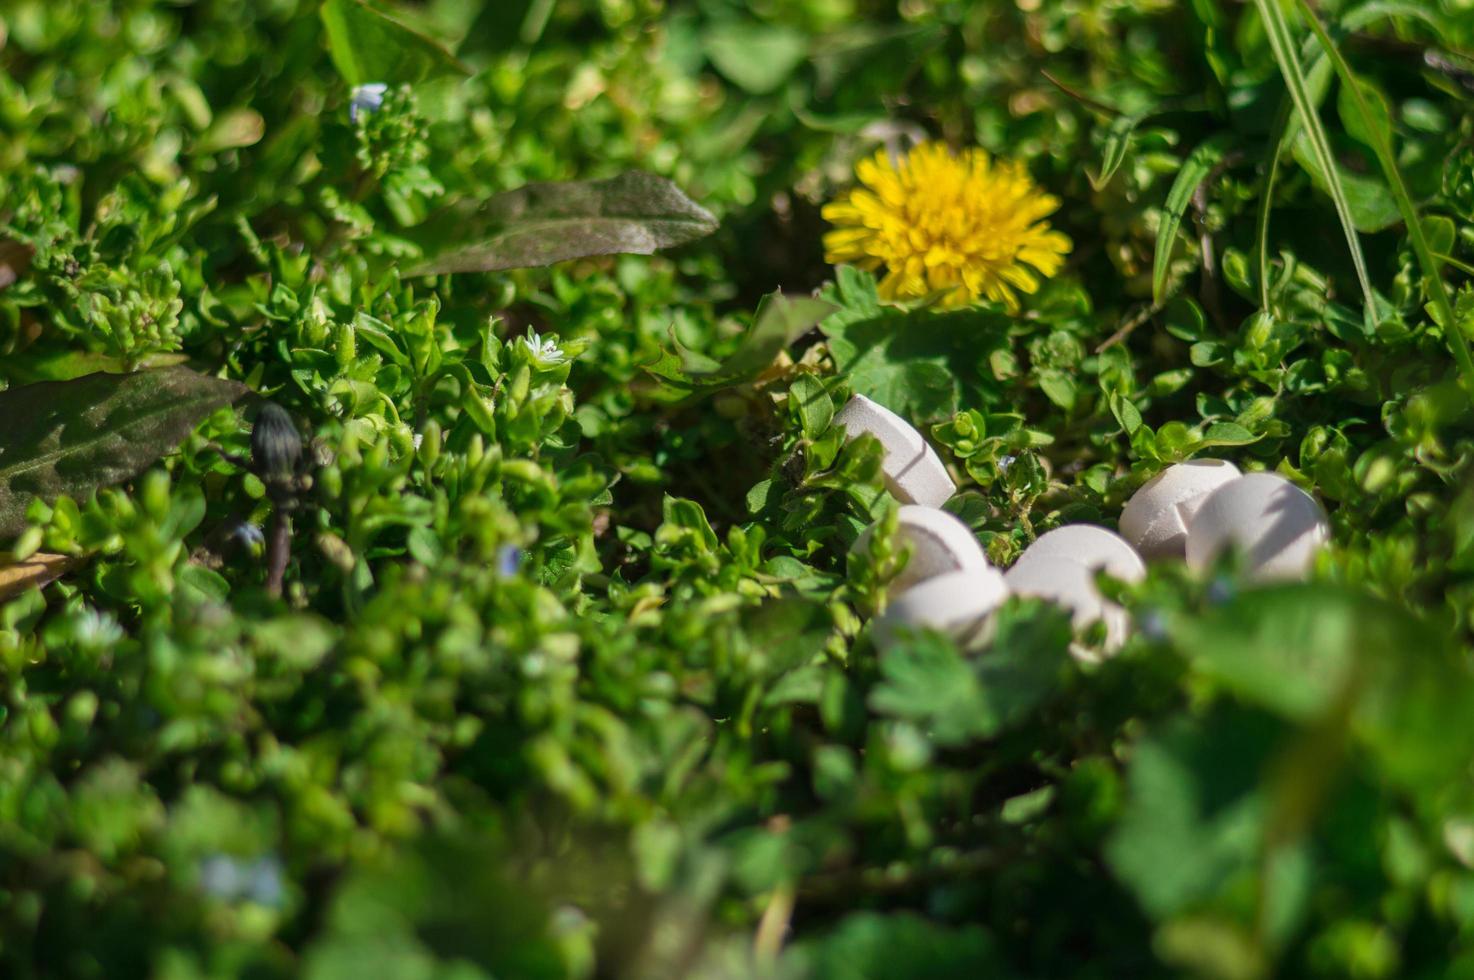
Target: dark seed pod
[(276, 445)]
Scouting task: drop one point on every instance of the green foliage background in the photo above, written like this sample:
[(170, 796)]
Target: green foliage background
[(571, 676)]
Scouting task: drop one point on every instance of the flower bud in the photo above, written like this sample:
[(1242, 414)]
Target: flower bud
[(276, 445)]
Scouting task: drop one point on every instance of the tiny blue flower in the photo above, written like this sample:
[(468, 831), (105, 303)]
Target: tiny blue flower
[(265, 885), (1004, 462), (1153, 625), (508, 559), (366, 98), (1221, 590), (220, 876)]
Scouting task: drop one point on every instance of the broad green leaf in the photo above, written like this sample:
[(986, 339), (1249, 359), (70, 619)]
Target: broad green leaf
[(545, 223), (917, 364), (1195, 813), (779, 321), (1059, 387), (1441, 233), (755, 57), (956, 700), (506, 24), (1310, 652), (368, 45), (74, 437), (1227, 434), (876, 946), (812, 403), (1368, 199), (1195, 170), (1369, 129), (1126, 413), (925, 681)]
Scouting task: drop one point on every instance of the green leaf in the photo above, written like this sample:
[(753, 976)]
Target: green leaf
[(1368, 199), (812, 403), (1441, 233), (544, 223), (927, 682), (1126, 413), (368, 45), (874, 946), (1195, 170), (1117, 144), (755, 57), (779, 321), (1059, 387), (1285, 54), (73, 437), (916, 364), (506, 24), (1371, 128), (1314, 652), (1226, 434), (1194, 815)]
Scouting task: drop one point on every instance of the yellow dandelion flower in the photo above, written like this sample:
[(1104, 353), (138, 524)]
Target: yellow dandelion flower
[(961, 226)]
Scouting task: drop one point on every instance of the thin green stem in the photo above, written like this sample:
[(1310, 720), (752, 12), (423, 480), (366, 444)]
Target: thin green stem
[(1266, 201)]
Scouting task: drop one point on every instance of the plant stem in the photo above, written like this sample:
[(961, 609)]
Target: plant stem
[(278, 550)]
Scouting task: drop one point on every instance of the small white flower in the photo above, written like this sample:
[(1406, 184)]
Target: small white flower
[(545, 350), (96, 630), (366, 98)]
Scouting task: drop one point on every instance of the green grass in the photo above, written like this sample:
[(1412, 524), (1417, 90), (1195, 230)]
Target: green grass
[(544, 653)]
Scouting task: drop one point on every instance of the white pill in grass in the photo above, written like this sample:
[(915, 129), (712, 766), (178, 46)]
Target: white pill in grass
[(1094, 547), (939, 543), (1276, 526), (1070, 585), (914, 474), (959, 604), (1156, 517)]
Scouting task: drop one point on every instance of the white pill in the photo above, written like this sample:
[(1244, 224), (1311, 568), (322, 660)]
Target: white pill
[(939, 543), (1094, 547), (1276, 526), (959, 604), (1070, 585), (914, 474), (1156, 517)]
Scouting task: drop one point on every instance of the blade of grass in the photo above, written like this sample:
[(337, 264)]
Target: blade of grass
[(1278, 143), (1195, 170), (1285, 54), (1284, 129), (1382, 146)]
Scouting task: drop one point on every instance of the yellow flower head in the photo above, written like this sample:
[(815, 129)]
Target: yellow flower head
[(963, 226)]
